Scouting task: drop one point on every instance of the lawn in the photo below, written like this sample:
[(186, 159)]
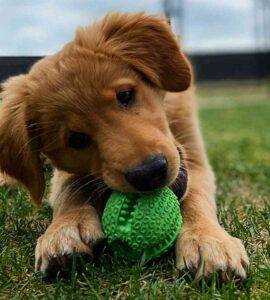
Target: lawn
[(235, 120)]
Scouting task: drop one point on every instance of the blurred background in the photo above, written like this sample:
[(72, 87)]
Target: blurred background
[(226, 39)]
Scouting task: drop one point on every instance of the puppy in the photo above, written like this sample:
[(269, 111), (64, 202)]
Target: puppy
[(114, 110)]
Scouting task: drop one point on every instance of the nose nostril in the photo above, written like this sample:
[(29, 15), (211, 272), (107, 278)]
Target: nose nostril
[(151, 174)]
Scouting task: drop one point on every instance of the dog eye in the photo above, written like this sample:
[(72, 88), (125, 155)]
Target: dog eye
[(78, 140), (126, 98)]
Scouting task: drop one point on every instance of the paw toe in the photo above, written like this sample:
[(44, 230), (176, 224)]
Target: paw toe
[(220, 254)]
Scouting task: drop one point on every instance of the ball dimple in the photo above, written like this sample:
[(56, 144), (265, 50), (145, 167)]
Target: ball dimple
[(142, 224)]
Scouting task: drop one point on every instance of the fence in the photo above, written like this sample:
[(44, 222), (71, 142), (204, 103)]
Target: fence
[(207, 67)]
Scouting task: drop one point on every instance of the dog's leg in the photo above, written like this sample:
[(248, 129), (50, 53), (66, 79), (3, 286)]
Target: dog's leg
[(75, 226), (203, 246)]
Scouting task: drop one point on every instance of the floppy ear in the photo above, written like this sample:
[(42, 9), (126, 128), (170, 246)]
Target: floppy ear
[(147, 44), (19, 149)]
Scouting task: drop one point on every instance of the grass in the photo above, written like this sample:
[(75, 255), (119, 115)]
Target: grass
[(236, 121)]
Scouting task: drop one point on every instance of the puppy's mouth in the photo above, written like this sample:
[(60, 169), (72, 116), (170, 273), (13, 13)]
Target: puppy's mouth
[(98, 192)]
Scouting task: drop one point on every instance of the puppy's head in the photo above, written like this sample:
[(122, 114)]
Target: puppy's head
[(96, 107)]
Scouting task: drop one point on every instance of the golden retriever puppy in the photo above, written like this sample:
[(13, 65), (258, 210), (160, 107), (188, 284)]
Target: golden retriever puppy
[(114, 110)]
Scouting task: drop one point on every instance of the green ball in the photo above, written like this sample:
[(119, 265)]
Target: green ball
[(142, 226)]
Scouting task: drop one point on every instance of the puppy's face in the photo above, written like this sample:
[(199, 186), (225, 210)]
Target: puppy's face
[(97, 116), (99, 110)]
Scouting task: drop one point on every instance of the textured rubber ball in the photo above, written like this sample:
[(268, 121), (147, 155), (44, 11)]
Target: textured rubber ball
[(142, 226)]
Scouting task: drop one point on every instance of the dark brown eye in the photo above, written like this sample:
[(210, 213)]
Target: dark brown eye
[(78, 140), (126, 97)]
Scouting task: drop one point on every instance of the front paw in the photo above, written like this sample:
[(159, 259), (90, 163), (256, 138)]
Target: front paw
[(205, 249), (77, 231)]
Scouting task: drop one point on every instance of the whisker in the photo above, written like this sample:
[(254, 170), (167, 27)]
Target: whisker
[(33, 139), (74, 193), (69, 186)]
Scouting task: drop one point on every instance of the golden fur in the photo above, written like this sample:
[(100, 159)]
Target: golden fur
[(74, 90)]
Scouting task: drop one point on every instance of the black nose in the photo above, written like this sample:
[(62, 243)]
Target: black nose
[(151, 174)]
